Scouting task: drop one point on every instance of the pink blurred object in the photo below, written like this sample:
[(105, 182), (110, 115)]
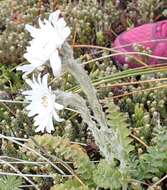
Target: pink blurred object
[(153, 36)]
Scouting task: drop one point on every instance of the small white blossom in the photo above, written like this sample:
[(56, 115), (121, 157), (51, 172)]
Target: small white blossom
[(45, 43), (42, 104)]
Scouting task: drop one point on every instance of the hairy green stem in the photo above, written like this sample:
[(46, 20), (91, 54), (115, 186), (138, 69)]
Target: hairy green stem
[(76, 101), (72, 66)]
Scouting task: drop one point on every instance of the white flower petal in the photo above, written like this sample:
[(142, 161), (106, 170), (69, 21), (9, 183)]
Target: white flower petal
[(61, 23), (55, 63), (58, 106), (66, 32), (27, 93), (34, 31), (30, 83), (34, 58), (50, 36), (42, 105), (27, 69), (31, 113), (53, 18), (50, 128), (40, 128), (39, 79), (56, 117), (45, 80), (40, 23)]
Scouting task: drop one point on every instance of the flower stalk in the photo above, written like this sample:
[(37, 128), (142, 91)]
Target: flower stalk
[(77, 102), (72, 66)]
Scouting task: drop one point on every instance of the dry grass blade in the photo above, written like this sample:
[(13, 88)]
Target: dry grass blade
[(114, 49), (159, 181), (35, 152), (20, 174), (27, 175), (132, 83), (64, 164), (137, 91), (127, 53), (134, 92), (139, 140), (116, 52)]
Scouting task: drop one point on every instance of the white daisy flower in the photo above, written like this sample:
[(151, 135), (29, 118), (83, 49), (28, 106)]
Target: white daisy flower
[(42, 104), (45, 43)]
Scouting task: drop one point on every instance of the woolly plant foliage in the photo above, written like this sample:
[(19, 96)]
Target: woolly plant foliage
[(153, 163), (122, 143), (115, 174), (62, 149)]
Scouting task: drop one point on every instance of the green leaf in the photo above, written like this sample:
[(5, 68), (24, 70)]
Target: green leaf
[(108, 176), (10, 182)]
